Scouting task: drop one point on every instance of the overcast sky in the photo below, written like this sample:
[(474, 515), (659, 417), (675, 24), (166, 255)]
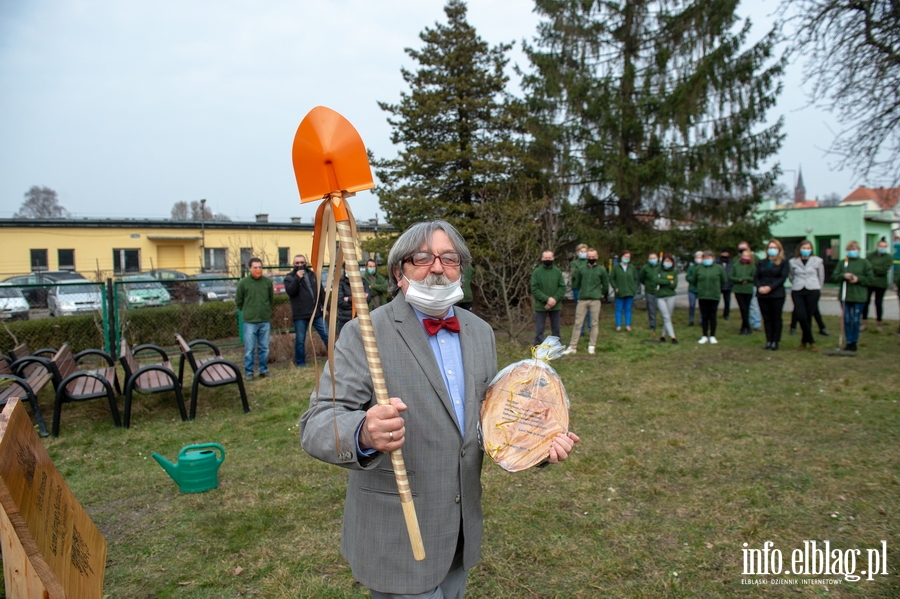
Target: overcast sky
[(126, 107)]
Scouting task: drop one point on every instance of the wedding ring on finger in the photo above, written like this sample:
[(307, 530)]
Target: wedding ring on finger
[(391, 433)]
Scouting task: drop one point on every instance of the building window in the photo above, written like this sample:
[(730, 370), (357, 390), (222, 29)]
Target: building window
[(39, 260), (283, 258), (214, 259), (126, 261), (66, 259)]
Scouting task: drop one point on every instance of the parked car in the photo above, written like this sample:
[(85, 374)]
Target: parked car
[(75, 297), (36, 286), (177, 283), (213, 288), (142, 291), (277, 281), (13, 305)]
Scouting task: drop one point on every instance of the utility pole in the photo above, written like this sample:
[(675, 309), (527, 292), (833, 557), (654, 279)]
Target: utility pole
[(203, 235)]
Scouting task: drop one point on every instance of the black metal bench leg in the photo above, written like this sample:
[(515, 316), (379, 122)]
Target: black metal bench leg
[(129, 389), (194, 389), (240, 382), (57, 410)]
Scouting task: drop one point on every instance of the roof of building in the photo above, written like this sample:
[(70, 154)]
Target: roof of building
[(173, 224), (885, 197)]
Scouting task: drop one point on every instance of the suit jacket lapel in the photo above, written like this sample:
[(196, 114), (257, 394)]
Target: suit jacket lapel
[(473, 409), (416, 339)]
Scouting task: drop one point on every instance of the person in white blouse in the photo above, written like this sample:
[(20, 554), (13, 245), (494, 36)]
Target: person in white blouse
[(807, 273)]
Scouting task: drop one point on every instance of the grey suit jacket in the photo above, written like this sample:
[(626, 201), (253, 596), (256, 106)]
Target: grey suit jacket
[(444, 468)]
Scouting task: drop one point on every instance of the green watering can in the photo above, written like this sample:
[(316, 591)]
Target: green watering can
[(197, 468)]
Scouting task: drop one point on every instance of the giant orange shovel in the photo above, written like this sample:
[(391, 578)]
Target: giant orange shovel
[(330, 163)]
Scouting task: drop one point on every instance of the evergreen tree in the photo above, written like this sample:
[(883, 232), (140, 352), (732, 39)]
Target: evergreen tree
[(454, 128), (647, 109)]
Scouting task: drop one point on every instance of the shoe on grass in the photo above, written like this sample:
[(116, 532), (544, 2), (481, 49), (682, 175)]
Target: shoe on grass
[(591, 349), (824, 332), (713, 340), (569, 351), (674, 341), (703, 340), (248, 377)]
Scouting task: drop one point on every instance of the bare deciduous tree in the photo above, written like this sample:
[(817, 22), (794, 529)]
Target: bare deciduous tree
[(852, 52), (41, 202), (195, 211)]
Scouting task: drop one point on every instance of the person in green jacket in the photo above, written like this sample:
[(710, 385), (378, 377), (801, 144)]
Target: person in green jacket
[(548, 288), (692, 289), (466, 283), (664, 289), (254, 298), (743, 274), (854, 274), (647, 278), (378, 286), (578, 263), (594, 284), (624, 281), (881, 262), (709, 278)]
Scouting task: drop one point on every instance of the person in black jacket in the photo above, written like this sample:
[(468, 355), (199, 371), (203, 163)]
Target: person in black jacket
[(771, 273), (345, 300), (307, 299)]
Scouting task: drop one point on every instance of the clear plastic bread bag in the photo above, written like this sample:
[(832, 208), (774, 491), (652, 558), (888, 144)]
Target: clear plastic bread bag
[(525, 406)]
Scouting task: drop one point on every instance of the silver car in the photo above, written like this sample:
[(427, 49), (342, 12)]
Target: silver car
[(74, 297), (13, 305)]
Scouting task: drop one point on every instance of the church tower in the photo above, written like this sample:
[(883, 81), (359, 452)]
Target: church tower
[(799, 190)]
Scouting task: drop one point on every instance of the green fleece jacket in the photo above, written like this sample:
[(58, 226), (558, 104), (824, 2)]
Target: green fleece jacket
[(254, 298), (881, 266), (647, 278), (689, 277), (862, 268), (624, 282), (547, 283), (709, 281), (593, 281), (665, 282), (742, 276), (574, 266)]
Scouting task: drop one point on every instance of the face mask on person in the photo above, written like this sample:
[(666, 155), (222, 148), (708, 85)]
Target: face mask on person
[(806, 253), (432, 300), (626, 260), (592, 261), (582, 255), (371, 271), (707, 262), (547, 263), (668, 265), (772, 252), (853, 253), (653, 262), (698, 261), (881, 250), (745, 260)]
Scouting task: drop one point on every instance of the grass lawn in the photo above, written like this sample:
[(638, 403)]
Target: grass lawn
[(688, 452)]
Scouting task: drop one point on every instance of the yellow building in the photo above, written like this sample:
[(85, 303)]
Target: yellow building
[(103, 248)]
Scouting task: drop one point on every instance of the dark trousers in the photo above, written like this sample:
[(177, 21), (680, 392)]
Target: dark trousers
[(770, 308), (540, 322), (708, 316), (743, 302), (879, 303), (726, 302), (816, 315), (806, 303)]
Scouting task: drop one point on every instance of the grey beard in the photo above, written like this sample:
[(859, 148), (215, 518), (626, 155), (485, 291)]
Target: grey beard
[(436, 279)]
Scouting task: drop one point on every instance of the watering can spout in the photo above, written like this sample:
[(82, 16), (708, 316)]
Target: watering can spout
[(168, 466)]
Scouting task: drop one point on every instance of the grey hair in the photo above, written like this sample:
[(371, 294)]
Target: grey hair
[(412, 240)]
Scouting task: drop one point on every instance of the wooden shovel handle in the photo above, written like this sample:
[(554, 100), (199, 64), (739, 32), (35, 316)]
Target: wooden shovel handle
[(348, 248)]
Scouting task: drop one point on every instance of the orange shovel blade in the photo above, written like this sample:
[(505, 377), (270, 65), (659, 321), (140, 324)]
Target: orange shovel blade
[(329, 156)]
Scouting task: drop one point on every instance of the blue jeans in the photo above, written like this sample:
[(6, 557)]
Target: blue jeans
[(692, 306), (852, 315), (623, 304), (300, 327), (256, 337)]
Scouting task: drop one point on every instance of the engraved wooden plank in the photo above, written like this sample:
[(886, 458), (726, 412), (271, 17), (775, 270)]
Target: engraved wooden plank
[(60, 545)]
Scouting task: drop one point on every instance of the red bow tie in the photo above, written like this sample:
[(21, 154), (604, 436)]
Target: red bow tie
[(433, 326)]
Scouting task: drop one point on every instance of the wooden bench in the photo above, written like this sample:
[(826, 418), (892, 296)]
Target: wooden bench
[(26, 385), (74, 384), (148, 378), (213, 371), (21, 351)]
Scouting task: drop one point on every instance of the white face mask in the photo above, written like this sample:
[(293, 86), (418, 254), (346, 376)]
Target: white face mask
[(433, 300)]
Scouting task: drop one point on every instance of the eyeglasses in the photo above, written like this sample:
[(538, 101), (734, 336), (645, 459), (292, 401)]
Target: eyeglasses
[(427, 259)]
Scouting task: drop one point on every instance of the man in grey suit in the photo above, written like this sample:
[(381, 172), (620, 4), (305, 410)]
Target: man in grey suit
[(437, 364)]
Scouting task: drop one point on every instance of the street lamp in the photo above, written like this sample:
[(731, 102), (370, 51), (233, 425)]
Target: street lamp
[(203, 235)]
